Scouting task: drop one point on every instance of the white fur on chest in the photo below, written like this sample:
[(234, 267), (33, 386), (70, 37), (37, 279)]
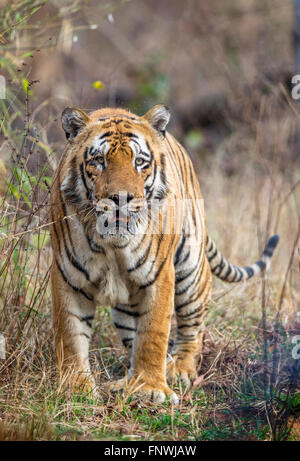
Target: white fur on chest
[(114, 286)]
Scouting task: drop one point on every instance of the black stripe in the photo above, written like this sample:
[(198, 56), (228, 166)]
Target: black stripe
[(107, 133), (195, 316), (189, 314), (125, 341), (70, 191), (185, 325), (241, 274), (66, 221), (141, 241), (179, 157), (88, 193), (86, 319), (181, 292), (94, 246), (196, 279), (130, 135), (82, 334), (208, 250), (119, 247), (179, 279), (125, 116), (186, 257), (249, 270), (123, 327), (149, 189), (175, 163), (235, 274), (185, 350), (186, 303), (160, 239), (261, 264), (183, 335), (184, 277), (79, 290), (124, 311), (210, 258), (219, 266), (142, 259), (72, 258), (179, 250), (160, 267), (228, 272), (163, 176)]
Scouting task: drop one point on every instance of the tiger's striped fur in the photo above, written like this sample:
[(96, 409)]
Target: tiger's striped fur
[(128, 230)]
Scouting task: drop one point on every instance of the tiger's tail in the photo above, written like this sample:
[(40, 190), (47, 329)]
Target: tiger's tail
[(228, 272)]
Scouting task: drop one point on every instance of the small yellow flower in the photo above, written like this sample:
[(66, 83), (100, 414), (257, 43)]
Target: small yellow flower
[(98, 85), (26, 87)]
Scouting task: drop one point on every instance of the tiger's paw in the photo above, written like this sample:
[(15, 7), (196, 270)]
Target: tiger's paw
[(143, 391), (181, 370), (156, 394)]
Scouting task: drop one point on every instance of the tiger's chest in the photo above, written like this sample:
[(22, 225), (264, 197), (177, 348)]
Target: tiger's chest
[(109, 277), (114, 278)]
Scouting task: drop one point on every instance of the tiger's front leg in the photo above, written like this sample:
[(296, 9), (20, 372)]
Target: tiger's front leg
[(124, 317), (73, 313), (153, 320)]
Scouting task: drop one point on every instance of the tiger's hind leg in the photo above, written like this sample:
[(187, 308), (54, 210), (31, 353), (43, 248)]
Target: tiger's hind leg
[(73, 314), (190, 308)]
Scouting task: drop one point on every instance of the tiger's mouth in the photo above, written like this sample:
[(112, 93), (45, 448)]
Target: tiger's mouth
[(117, 223)]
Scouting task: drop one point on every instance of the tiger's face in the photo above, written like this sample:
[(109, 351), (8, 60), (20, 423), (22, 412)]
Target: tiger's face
[(121, 166)]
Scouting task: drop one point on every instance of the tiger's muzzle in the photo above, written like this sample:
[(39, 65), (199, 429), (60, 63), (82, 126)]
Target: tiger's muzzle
[(118, 215)]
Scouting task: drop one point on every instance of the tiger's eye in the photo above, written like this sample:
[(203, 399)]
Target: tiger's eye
[(101, 160), (139, 161)]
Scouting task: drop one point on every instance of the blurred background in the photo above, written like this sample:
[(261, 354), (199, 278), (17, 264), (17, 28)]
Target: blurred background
[(224, 68)]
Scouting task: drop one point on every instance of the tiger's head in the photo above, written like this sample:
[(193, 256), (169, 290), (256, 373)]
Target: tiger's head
[(115, 166)]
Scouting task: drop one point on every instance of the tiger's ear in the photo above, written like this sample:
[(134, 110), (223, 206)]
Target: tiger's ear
[(158, 116), (73, 120)]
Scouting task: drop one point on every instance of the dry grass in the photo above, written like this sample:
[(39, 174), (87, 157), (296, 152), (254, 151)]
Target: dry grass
[(248, 384)]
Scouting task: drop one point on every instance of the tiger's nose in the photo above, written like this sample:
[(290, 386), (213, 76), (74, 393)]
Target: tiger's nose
[(116, 198)]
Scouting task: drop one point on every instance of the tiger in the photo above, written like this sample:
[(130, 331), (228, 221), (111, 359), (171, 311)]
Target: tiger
[(128, 231)]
